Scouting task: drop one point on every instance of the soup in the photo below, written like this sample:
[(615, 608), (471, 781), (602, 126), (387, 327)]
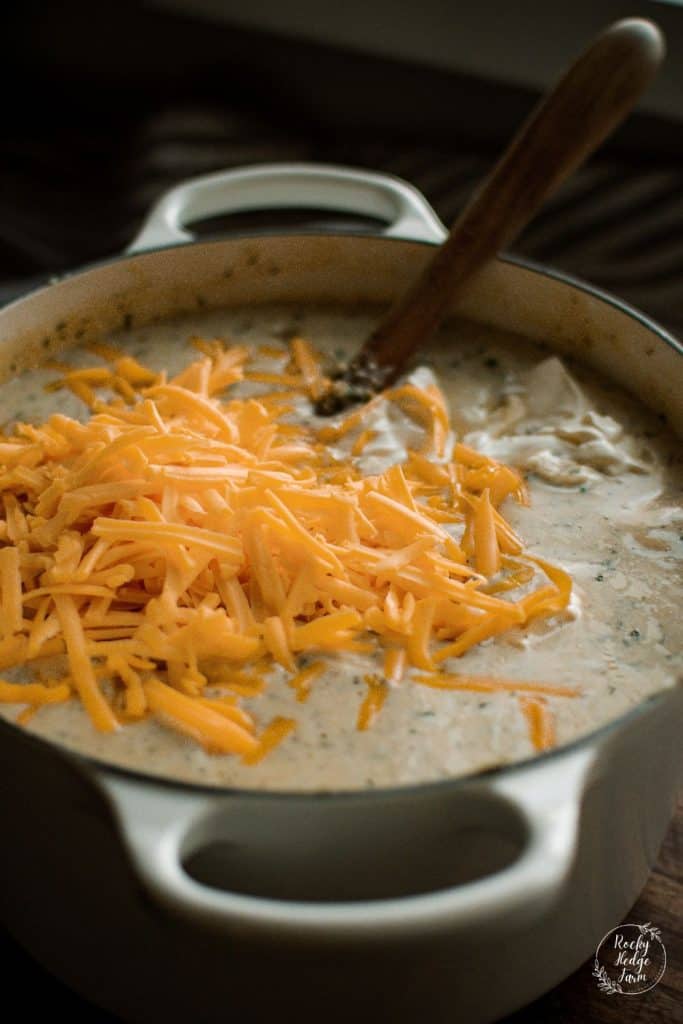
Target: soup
[(604, 479)]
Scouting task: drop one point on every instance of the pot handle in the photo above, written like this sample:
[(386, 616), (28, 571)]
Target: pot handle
[(160, 825), (405, 211)]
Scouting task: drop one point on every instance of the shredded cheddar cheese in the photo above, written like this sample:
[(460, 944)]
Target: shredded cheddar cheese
[(540, 722), (302, 681), (180, 543), (373, 701)]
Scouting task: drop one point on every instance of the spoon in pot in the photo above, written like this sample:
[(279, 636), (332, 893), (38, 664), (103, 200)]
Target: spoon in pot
[(594, 95)]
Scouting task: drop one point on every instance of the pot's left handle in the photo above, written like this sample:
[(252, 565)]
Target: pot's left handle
[(403, 209)]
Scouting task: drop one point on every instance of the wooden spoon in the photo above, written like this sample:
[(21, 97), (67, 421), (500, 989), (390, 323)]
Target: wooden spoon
[(594, 95)]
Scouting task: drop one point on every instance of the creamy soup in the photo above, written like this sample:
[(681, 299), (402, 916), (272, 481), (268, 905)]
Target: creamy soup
[(605, 480)]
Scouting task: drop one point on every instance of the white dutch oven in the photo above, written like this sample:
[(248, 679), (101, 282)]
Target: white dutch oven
[(459, 900)]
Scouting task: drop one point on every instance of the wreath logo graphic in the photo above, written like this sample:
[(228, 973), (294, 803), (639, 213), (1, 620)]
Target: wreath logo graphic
[(630, 960)]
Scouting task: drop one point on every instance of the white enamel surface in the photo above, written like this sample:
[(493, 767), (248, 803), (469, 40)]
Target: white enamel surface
[(156, 826), (272, 186)]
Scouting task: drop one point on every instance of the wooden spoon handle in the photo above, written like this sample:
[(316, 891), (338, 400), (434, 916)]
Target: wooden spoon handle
[(588, 102)]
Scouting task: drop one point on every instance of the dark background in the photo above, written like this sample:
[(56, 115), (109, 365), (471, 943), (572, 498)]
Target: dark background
[(107, 105)]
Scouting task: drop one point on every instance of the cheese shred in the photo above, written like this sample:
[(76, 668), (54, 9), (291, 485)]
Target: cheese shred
[(183, 539)]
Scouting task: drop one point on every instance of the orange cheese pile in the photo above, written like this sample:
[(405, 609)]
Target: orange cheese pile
[(181, 541)]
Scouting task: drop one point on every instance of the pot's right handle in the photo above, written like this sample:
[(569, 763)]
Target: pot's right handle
[(405, 211)]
